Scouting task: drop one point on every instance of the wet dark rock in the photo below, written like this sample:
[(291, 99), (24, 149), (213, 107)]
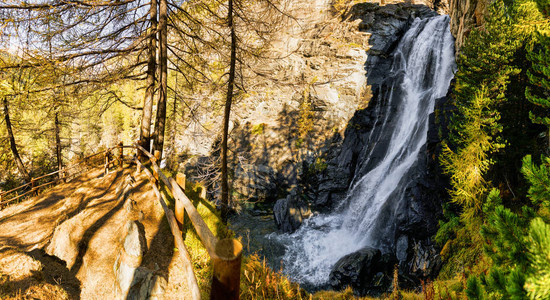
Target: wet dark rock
[(290, 212), (416, 217), (426, 261), (367, 271)]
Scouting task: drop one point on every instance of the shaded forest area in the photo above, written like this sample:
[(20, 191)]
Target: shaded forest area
[(496, 233)]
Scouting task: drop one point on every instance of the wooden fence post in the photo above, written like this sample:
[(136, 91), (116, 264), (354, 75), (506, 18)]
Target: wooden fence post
[(180, 211), (106, 162), (120, 155), (32, 187), (156, 159), (157, 155), (203, 192), (227, 270)]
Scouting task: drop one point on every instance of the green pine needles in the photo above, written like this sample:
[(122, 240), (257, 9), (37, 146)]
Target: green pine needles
[(496, 230)]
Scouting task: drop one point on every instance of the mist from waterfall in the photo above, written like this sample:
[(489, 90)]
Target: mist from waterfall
[(422, 68)]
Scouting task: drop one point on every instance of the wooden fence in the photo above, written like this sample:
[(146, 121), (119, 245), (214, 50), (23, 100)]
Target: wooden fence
[(36, 183), (225, 254)]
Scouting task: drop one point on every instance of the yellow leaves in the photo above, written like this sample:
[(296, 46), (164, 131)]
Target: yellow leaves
[(468, 164)]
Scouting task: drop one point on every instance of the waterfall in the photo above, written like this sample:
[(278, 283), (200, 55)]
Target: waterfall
[(422, 68)]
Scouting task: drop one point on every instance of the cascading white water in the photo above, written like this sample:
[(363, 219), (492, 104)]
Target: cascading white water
[(422, 69)]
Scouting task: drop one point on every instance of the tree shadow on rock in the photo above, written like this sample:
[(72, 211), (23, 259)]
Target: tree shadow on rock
[(55, 272)]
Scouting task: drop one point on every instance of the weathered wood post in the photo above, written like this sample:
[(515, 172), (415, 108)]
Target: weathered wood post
[(32, 187), (62, 175), (180, 211), (106, 162), (138, 167), (203, 192), (156, 159), (157, 155), (120, 155), (227, 270)]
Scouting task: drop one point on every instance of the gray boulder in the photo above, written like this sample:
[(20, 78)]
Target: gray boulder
[(290, 212)]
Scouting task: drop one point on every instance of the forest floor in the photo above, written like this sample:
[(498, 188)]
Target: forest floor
[(63, 243)]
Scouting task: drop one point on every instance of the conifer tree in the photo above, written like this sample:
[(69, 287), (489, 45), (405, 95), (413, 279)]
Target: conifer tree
[(517, 243), (491, 113), (468, 164), (539, 76), (539, 179), (537, 283)]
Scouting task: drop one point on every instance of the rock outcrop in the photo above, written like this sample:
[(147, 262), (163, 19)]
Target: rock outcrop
[(324, 178), (291, 112), (290, 212), (367, 271), (465, 16), (134, 281)]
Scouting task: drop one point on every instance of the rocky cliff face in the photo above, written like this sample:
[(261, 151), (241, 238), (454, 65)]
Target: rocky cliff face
[(299, 139), (298, 106), (293, 105), (302, 102), (323, 185), (466, 15)]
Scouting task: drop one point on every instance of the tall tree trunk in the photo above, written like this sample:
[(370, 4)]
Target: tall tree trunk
[(58, 145), (163, 80), (145, 132), (13, 146), (227, 112), (173, 116)]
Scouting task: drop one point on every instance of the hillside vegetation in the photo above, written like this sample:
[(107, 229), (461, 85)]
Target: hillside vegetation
[(495, 235)]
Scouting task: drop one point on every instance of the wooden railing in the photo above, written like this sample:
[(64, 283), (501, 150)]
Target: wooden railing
[(36, 183), (225, 254)]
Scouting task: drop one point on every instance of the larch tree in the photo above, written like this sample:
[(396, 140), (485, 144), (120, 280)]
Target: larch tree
[(163, 77), (101, 42), (240, 44), (17, 158), (227, 111)]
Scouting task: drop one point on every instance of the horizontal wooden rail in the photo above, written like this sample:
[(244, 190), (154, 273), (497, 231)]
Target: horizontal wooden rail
[(63, 174), (44, 176), (15, 189), (184, 254), (225, 254), (206, 236), (43, 185)]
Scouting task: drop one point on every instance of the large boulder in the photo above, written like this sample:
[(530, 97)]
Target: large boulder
[(134, 281), (290, 212), (367, 271)]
